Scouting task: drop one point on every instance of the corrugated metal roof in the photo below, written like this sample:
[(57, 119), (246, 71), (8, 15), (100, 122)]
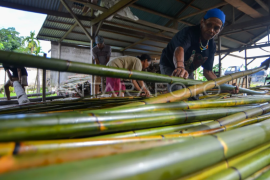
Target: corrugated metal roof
[(55, 27), (48, 4)]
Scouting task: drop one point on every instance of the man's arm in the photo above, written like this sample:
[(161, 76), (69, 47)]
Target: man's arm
[(137, 87), (147, 93), (178, 60), (96, 61), (9, 75), (108, 59), (109, 55), (19, 74), (209, 75)]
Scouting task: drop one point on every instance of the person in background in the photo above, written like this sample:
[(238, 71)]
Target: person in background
[(18, 74), (193, 47), (101, 56), (131, 63)]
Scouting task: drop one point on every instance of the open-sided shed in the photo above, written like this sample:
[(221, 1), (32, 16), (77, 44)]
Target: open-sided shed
[(70, 22)]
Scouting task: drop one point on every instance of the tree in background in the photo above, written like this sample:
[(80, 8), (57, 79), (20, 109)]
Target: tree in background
[(1, 46), (10, 39), (199, 72), (33, 45), (32, 42)]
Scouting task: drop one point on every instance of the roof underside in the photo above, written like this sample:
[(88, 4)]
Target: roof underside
[(158, 21)]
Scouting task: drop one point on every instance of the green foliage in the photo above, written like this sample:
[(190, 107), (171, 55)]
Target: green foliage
[(23, 49), (32, 42), (11, 89), (2, 46), (200, 75), (38, 50), (9, 39)]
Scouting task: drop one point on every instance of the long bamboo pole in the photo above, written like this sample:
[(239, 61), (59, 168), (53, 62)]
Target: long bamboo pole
[(152, 131), (259, 173), (70, 66), (30, 147), (166, 162), (264, 176), (233, 118), (52, 145), (223, 128), (23, 161), (79, 124), (195, 89), (85, 68), (242, 90), (186, 105), (245, 168), (219, 167)]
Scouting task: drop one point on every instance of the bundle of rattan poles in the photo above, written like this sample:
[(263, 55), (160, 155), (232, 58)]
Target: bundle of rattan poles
[(165, 137)]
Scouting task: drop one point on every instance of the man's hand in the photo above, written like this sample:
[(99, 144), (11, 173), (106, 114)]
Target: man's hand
[(145, 93), (180, 72), (236, 90)]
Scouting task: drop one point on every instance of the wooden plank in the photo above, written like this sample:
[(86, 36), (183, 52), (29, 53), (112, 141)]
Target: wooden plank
[(76, 19), (202, 11), (242, 6), (263, 5)]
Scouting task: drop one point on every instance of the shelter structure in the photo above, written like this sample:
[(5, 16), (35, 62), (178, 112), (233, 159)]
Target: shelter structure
[(73, 23)]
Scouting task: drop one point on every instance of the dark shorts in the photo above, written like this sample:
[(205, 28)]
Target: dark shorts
[(174, 87), (168, 71)]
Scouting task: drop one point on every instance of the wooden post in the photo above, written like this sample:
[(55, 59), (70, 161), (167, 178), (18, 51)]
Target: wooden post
[(219, 55), (38, 81), (59, 57), (44, 83), (246, 67), (91, 62), (5, 83)]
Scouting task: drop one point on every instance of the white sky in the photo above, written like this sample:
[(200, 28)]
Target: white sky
[(24, 22)]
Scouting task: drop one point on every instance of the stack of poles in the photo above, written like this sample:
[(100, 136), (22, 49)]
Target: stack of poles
[(161, 137)]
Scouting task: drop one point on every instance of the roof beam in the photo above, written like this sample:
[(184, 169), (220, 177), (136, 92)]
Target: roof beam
[(251, 61), (242, 6), (262, 21), (156, 52), (234, 40), (135, 28), (104, 36), (194, 7), (236, 56), (246, 30), (243, 48), (146, 23), (202, 11), (263, 5), (75, 24), (117, 7), (126, 32), (263, 56), (77, 20)]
